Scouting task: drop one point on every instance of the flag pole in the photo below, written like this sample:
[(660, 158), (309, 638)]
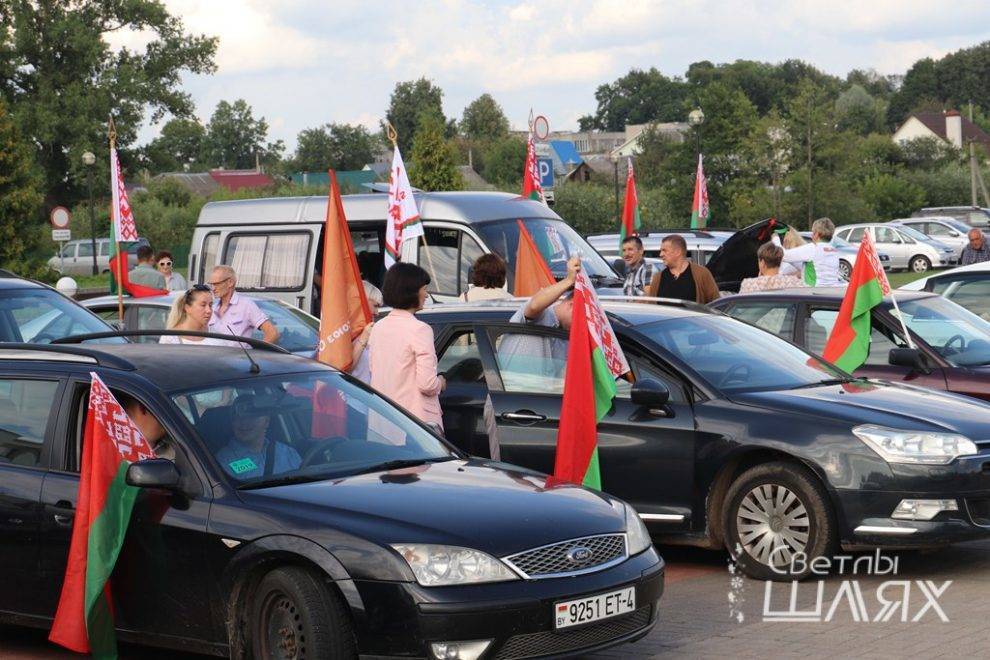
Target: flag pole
[(113, 230), (897, 311), (393, 136)]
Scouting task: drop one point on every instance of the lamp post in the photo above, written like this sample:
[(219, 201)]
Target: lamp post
[(696, 118), (615, 166), (89, 160)]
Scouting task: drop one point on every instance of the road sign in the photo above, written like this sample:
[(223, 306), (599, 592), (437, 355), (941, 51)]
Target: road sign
[(60, 218), (546, 172), (61, 235)]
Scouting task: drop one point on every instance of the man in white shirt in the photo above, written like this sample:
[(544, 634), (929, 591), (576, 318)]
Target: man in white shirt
[(820, 257)]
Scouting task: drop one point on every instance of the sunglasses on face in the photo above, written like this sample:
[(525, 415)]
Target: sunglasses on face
[(164, 263)]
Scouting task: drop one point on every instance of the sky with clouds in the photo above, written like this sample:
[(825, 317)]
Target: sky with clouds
[(302, 63)]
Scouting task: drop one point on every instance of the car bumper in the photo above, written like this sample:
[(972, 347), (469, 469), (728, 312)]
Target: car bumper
[(402, 619)]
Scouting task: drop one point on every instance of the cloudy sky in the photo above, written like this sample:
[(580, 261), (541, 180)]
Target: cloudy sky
[(302, 63)]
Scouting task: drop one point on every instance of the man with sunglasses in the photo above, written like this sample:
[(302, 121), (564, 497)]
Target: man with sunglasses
[(233, 314), (173, 281)]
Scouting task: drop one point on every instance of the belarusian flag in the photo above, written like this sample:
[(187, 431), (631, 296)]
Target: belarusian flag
[(403, 220), (122, 230), (631, 220), (848, 345), (699, 208), (531, 174), (111, 442), (594, 361)]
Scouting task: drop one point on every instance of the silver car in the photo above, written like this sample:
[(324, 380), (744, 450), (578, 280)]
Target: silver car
[(847, 255), (945, 229), (907, 248), (76, 257)]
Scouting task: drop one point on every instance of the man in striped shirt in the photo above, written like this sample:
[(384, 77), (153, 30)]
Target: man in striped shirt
[(639, 273)]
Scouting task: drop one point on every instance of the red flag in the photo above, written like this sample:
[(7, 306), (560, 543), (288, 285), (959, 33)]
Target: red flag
[(134, 290), (532, 272), (532, 189), (700, 211), (631, 220)]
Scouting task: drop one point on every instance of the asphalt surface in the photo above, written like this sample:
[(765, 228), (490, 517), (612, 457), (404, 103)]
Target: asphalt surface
[(698, 620)]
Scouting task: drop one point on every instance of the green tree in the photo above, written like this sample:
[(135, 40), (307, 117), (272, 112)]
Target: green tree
[(336, 146), (927, 153), (891, 197), (484, 120), (811, 117), (767, 155), (859, 112), (876, 84), (179, 145), (504, 161), (920, 82), (639, 97), (235, 139), (20, 199), (765, 85), (408, 101), (433, 157), (62, 80)]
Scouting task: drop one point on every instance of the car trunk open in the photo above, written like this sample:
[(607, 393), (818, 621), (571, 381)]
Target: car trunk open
[(735, 260)]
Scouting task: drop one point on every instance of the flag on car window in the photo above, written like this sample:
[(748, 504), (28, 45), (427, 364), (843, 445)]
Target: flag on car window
[(848, 344), (594, 361), (532, 272), (631, 220), (700, 212), (532, 188), (111, 442), (402, 220)]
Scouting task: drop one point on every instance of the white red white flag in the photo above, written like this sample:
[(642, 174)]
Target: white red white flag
[(403, 220)]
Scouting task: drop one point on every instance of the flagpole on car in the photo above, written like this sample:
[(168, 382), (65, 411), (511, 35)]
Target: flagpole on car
[(120, 261)]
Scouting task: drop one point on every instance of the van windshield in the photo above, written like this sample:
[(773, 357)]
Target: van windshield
[(556, 240)]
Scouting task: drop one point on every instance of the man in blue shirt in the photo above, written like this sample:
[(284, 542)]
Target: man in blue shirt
[(247, 454)]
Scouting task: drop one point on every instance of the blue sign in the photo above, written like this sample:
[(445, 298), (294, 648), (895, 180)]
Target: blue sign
[(546, 172)]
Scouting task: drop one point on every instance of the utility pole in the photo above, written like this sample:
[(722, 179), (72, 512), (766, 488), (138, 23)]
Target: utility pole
[(972, 163)]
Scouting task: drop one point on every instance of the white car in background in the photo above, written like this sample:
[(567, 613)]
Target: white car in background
[(907, 248), (945, 229)]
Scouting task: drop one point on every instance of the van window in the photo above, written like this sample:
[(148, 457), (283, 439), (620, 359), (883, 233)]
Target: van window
[(211, 245), (69, 251), (368, 251), (85, 249), (274, 261), (447, 256)]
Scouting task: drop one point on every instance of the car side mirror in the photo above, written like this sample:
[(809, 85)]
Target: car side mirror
[(153, 473), (912, 358), (649, 393), (619, 266)]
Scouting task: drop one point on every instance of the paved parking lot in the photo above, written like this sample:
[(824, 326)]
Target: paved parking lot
[(698, 621)]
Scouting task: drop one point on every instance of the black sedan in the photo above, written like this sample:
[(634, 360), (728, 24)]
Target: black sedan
[(297, 514), (731, 436)]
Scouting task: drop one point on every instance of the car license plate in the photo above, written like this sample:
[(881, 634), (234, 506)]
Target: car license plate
[(594, 608)]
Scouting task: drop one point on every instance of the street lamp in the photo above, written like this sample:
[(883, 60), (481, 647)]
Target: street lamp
[(615, 165), (696, 118), (89, 160)]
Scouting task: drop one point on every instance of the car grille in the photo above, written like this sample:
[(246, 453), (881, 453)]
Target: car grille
[(569, 641), (593, 554)]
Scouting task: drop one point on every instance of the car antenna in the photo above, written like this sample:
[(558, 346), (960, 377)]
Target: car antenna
[(254, 365)]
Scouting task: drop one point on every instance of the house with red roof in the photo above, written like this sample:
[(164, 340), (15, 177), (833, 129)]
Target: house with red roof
[(948, 126)]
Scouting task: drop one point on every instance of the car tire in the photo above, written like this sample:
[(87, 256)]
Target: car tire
[(920, 264), (294, 615), (781, 497), (845, 269)]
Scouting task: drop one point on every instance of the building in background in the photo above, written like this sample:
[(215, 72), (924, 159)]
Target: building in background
[(950, 127)]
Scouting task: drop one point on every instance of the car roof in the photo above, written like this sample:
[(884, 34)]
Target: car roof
[(830, 293), (464, 207), (627, 313), (163, 300), (11, 283), (170, 367)]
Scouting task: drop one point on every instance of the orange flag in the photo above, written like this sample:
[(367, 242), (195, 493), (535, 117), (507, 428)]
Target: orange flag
[(532, 272), (344, 309)]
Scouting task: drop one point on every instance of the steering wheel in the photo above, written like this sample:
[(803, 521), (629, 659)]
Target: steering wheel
[(739, 371), (947, 346), (321, 448), (43, 338)]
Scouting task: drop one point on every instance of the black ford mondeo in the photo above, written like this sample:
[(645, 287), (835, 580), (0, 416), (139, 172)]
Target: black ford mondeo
[(297, 514)]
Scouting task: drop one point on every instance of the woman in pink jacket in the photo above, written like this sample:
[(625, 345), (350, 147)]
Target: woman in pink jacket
[(403, 357)]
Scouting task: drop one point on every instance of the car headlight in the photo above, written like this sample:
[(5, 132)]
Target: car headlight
[(925, 447), (443, 565), (637, 536)]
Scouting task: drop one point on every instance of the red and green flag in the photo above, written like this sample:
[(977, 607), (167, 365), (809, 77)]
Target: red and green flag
[(532, 189), (848, 344), (122, 231), (594, 361), (700, 213), (111, 442), (631, 220)]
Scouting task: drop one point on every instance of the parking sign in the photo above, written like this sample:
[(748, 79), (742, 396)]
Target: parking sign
[(546, 172)]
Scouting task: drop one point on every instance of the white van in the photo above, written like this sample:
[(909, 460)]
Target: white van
[(275, 244)]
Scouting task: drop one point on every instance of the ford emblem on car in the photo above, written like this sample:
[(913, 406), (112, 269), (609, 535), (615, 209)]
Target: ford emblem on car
[(578, 555)]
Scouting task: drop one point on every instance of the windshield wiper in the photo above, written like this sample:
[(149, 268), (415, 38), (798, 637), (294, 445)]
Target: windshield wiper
[(284, 481), (828, 381), (402, 463)]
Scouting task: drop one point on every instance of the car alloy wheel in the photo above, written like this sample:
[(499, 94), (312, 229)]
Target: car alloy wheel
[(920, 264), (845, 270), (773, 524)]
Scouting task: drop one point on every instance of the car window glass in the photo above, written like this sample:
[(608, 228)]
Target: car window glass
[(775, 318), (855, 235), (85, 249), (69, 251), (819, 325), (643, 369), (297, 331), (276, 261), (150, 318), (438, 256), (460, 360), (368, 251), (904, 237), (470, 251), (937, 229), (104, 248), (974, 295), (211, 245), (885, 235), (25, 407), (531, 362), (39, 316), (954, 332)]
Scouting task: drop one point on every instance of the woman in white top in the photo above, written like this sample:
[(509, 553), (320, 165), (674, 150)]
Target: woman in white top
[(487, 279), (192, 311), (360, 354), (173, 281)]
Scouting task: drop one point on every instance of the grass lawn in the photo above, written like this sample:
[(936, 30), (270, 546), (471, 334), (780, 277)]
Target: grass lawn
[(900, 279)]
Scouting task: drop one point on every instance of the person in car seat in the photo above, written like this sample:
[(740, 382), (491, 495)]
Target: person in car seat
[(250, 452)]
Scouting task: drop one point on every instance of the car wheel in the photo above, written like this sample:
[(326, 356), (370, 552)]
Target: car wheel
[(295, 616), (845, 269), (775, 512), (920, 264)]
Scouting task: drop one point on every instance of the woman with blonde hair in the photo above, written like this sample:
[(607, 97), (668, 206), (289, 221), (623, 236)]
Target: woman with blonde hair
[(792, 239), (192, 311)]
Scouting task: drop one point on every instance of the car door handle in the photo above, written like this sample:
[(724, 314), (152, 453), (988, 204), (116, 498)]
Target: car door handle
[(63, 513), (523, 416)]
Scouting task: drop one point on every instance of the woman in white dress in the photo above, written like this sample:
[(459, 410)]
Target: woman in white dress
[(192, 311)]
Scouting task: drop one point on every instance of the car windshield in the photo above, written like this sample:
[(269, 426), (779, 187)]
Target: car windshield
[(304, 427), (297, 331), (556, 240), (840, 242), (914, 233), (736, 357), (40, 316), (958, 335)]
